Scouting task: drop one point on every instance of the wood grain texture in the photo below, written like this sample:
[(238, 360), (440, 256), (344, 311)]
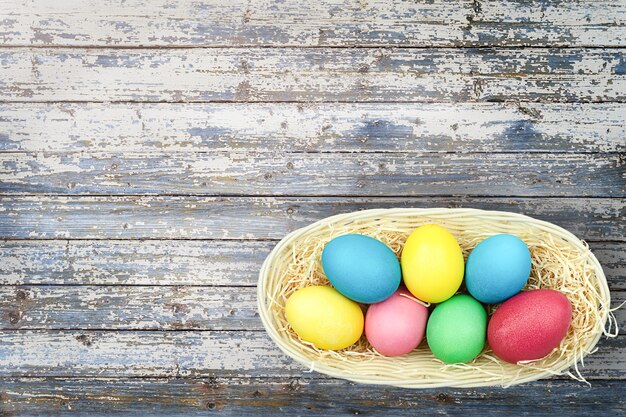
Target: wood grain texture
[(162, 262), (309, 127), (329, 22), (298, 396), (251, 218), (312, 75), (144, 308), (307, 174), (253, 118), (130, 308), (178, 263), (86, 353)]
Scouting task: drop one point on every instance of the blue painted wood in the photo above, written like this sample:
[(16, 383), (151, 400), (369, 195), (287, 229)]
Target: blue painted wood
[(178, 262), (258, 218), (135, 295), (313, 127), (145, 307), (299, 396), (307, 174), (420, 23), (157, 353), (312, 75)]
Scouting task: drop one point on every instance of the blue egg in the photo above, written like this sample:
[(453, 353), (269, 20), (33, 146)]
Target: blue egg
[(362, 268), (497, 268)]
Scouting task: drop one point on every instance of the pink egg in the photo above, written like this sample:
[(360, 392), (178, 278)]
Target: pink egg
[(396, 325)]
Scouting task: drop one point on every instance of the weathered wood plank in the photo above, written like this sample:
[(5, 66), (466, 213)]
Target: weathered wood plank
[(287, 127), (308, 174), (144, 308), (298, 396), (176, 262), (291, 22), (129, 308), (613, 260), (266, 217), (189, 353), (305, 75)]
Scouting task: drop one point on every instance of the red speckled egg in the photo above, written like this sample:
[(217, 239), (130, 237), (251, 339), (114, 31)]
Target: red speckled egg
[(529, 325)]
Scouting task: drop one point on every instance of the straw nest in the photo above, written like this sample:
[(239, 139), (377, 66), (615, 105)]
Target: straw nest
[(560, 261)]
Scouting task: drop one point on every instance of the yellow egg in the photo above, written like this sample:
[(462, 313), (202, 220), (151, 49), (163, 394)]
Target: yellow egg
[(324, 317), (432, 264)]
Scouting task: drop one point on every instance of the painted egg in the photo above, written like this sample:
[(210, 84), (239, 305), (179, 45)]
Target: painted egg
[(497, 268), (362, 268), (432, 264), (396, 326), (529, 325), (456, 329), (324, 317)]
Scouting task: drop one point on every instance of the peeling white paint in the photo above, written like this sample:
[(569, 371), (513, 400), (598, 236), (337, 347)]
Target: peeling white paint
[(292, 74), (398, 149), (189, 23)]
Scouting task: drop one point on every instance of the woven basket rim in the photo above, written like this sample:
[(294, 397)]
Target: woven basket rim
[(443, 213)]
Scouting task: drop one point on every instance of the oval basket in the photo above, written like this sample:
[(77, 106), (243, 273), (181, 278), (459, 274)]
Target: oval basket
[(560, 261)]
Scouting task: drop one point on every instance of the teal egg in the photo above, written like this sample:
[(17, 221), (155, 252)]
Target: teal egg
[(497, 268), (361, 268)]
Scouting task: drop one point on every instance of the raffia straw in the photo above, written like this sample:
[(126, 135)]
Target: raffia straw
[(560, 261)]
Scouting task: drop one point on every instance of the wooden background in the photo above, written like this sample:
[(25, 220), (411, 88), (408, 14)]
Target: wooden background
[(154, 151)]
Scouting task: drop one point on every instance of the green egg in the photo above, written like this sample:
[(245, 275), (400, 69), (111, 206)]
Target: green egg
[(457, 329)]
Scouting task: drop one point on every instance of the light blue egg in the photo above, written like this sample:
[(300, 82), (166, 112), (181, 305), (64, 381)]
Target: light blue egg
[(497, 268), (362, 268)]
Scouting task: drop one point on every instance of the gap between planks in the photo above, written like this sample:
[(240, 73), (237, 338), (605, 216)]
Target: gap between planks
[(351, 101), (113, 197), (361, 152), (313, 47)]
